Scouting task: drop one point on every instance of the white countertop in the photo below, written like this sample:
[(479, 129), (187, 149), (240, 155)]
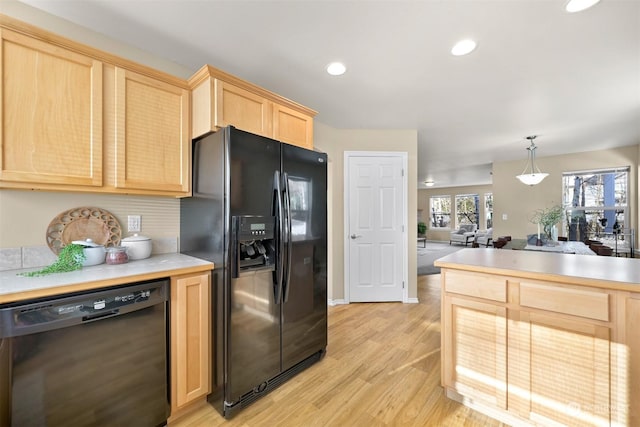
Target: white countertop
[(599, 271), (14, 287)]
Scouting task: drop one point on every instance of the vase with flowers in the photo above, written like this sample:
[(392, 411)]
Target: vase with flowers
[(548, 219)]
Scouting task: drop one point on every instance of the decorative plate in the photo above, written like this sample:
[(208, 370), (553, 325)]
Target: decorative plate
[(81, 224)]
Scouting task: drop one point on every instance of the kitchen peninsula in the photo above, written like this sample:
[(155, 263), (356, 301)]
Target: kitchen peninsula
[(534, 338)]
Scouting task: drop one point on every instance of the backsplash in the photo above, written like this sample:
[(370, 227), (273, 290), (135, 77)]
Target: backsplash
[(26, 215)]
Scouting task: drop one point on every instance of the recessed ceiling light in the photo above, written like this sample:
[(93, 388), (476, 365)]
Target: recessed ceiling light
[(336, 68), (429, 183), (463, 47), (579, 5)]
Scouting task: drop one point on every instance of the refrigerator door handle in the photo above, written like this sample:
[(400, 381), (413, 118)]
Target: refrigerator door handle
[(234, 246), (280, 257), (288, 240)]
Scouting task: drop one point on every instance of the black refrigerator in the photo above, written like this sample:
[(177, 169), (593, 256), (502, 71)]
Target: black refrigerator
[(259, 213)]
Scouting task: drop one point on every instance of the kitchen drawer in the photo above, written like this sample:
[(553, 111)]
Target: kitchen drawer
[(476, 285), (577, 302)]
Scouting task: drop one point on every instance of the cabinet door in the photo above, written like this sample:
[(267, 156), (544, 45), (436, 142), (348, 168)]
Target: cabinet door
[(629, 365), (474, 360), (242, 109), (152, 135), (292, 127), (51, 115), (190, 338), (559, 370)]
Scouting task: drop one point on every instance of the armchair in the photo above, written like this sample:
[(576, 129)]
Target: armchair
[(484, 237), (464, 234)]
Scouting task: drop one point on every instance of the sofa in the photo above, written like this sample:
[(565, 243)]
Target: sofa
[(484, 237), (465, 234)]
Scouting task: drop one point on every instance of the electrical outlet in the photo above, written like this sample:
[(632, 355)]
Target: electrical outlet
[(133, 223)]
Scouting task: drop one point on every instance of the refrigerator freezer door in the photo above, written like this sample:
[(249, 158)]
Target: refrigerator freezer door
[(253, 332), (304, 314), (252, 163), (254, 338)]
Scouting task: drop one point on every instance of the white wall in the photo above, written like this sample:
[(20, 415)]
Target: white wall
[(335, 142)]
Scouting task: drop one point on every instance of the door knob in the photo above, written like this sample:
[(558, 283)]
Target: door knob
[(355, 236)]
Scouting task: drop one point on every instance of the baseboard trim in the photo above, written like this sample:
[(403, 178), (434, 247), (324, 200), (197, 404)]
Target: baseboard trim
[(495, 413), (334, 302)]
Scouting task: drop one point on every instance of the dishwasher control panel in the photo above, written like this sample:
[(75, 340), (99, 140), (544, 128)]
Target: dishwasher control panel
[(29, 316)]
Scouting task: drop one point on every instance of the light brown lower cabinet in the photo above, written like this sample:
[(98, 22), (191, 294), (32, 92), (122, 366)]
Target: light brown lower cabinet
[(475, 351), (629, 356), (549, 354), (559, 370), (190, 339)]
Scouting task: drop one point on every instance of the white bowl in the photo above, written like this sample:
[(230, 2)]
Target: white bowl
[(138, 247), (94, 254)]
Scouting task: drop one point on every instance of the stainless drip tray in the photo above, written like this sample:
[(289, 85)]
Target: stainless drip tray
[(252, 262)]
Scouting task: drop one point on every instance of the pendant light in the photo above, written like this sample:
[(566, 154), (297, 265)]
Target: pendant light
[(531, 174)]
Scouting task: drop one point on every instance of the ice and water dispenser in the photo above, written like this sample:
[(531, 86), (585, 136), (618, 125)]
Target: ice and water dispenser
[(254, 243)]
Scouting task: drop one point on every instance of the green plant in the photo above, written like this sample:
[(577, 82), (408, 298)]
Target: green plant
[(70, 258), (422, 228), (547, 218)]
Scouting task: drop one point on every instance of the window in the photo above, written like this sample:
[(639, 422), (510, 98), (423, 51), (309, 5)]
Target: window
[(467, 209), (440, 212), (300, 197), (595, 202)]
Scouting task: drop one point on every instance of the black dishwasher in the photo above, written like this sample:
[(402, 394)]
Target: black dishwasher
[(86, 359)]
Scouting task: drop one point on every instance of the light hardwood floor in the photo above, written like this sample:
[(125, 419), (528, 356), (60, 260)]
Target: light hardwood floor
[(382, 368)]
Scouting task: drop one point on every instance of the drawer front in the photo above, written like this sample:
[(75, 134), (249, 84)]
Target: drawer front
[(577, 302), (476, 285)]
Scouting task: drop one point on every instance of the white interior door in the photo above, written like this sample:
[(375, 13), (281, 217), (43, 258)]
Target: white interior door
[(375, 232)]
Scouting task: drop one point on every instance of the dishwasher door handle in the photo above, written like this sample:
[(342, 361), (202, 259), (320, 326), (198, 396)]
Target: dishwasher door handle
[(101, 315)]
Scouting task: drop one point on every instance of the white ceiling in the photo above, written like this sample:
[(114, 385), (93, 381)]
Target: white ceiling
[(573, 79)]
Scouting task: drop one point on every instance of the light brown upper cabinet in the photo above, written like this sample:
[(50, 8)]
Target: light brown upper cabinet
[(151, 134), (74, 118), (292, 126), (220, 99), (217, 104), (51, 114)]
